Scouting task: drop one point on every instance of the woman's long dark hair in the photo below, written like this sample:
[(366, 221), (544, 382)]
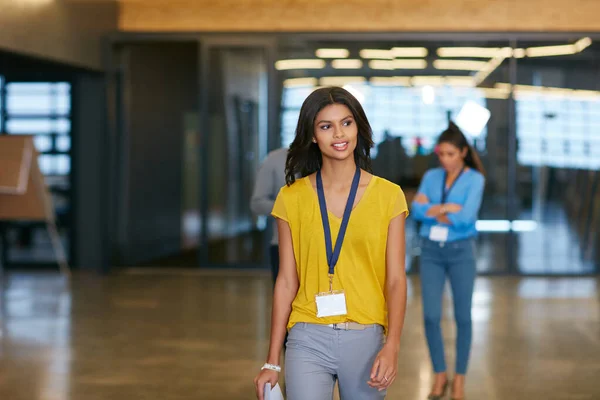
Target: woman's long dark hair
[(455, 137), (304, 156)]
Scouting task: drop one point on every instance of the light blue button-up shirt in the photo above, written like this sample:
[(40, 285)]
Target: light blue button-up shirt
[(467, 191)]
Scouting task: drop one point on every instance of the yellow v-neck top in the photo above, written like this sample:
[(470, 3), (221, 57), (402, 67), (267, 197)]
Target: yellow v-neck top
[(361, 268)]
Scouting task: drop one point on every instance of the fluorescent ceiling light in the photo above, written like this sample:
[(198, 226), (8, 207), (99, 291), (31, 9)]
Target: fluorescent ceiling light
[(473, 52), (408, 52), (586, 94), (548, 51), (377, 54), (409, 64), (381, 64), (530, 88), (490, 67), (583, 44), (347, 64), (299, 64), (536, 51), (560, 92), (495, 93), (519, 53), (459, 65), (295, 82), (520, 90), (504, 86), (332, 53), (505, 52), (560, 50), (423, 80), (341, 80)]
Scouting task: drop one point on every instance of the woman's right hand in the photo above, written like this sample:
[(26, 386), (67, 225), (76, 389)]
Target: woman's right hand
[(266, 375), (452, 208), (434, 211)]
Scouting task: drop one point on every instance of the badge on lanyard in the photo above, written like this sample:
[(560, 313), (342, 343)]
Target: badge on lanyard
[(439, 233), (333, 303)]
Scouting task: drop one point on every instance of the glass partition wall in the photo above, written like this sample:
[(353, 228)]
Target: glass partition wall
[(557, 101), (529, 107), (535, 132)]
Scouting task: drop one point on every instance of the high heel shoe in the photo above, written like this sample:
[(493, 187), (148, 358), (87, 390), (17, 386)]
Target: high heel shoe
[(457, 398), (439, 396)]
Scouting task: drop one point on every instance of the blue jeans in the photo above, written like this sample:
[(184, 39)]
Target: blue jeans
[(455, 260)]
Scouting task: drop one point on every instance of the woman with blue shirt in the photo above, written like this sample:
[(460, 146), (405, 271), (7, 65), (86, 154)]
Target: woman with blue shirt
[(447, 205)]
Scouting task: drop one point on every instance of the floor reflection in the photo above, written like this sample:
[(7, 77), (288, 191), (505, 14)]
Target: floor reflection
[(202, 335)]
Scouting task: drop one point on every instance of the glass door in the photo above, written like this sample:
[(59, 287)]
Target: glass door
[(234, 135)]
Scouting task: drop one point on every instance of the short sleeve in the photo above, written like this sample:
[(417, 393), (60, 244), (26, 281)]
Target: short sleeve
[(279, 209), (400, 206)]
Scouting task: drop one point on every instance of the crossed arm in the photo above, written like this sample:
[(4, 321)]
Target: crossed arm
[(439, 212)]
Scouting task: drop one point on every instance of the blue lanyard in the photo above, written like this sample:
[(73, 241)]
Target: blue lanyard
[(334, 254), (445, 192)]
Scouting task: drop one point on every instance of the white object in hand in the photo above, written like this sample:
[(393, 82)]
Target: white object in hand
[(272, 393)]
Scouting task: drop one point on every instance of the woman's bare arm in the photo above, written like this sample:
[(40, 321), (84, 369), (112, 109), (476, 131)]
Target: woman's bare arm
[(286, 288)]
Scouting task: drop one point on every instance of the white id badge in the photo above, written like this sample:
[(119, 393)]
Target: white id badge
[(438, 233), (330, 304)]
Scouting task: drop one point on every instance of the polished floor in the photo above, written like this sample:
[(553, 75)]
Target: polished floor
[(166, 335)]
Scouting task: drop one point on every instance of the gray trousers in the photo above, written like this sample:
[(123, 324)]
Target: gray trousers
[(317, 355)]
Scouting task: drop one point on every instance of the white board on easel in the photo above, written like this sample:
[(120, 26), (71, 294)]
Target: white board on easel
[(24, 195)]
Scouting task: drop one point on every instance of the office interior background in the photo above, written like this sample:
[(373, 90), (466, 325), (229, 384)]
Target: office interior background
[(152, 118)]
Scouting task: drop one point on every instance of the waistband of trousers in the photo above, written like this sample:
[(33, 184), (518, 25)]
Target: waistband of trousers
[(343, 326), (452, 244)]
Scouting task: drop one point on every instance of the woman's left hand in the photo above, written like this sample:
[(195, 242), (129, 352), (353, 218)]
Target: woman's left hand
[(384, 368), (452, 208)]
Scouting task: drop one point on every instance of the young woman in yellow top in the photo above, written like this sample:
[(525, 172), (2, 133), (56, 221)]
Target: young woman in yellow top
[(341, 289)]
